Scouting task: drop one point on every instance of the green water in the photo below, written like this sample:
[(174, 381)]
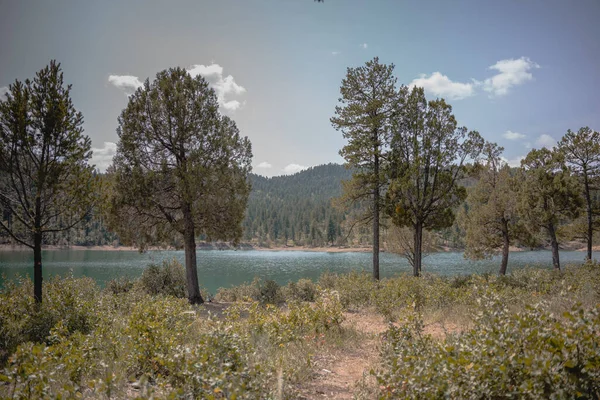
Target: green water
[(226, 268)]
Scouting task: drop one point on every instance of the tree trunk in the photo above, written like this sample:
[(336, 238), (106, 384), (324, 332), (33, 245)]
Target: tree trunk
[(505, 248), (37, 251), (554, 244), (37, 267), (590, 231), (191, 270), (376, 219), (418, 249)]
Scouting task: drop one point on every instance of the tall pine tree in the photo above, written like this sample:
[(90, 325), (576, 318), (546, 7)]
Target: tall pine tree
[(368, 102)]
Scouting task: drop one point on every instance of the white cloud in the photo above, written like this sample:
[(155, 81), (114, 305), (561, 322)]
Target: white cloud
[(231, 105), (510, 135), (3, 92), (293, 168), (513, 162), (127, 83), (102, 157), (364, 45), (545, 141), (512, 72), (214, 71), (225, 87), (264, 164), (336, 53), (440, 85)]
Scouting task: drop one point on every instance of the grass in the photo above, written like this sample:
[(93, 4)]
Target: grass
[(436, 337)]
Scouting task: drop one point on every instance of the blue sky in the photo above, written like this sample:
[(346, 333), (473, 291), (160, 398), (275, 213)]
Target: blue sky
[(520, 72)]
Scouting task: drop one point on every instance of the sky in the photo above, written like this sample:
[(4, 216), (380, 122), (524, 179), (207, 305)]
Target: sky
[(520, 72)]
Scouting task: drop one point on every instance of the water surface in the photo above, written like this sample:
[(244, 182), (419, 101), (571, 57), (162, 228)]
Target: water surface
[(226, 268)]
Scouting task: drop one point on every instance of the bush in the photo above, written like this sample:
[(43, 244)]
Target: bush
[(303, 290), (270, 293), (531, 354), (355, 288), (122, 284), (155, 344), (243, 292), (168, 279), (68, 301)]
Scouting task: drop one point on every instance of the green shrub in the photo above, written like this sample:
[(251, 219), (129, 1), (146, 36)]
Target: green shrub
[(168, 279), (122, 284), (283, 326), (152, 329), (355, 288), (243, 292), (270, 292), (460, 281), (532, 354), (303, 290), (69, 301)]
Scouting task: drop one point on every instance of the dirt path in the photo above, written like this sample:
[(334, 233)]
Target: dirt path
[(344, 372), (339, 371)]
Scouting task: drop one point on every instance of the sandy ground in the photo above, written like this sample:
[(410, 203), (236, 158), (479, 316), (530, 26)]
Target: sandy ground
[(340, 374), (317, 249)]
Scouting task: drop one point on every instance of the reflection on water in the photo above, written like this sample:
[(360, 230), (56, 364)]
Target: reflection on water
[(227, 268)]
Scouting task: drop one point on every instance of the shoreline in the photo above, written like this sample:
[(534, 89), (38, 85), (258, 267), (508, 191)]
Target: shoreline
[(568, 246), (317, 249), (9, 247)]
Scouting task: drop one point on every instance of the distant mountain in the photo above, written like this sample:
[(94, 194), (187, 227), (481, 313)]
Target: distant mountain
[(296, 209)]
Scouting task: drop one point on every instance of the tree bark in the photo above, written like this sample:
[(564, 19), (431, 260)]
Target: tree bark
[(505, 248), (418, 248), (554, 245), (191, 269), (37, 251), (37, 267), (590, 230), (376, 218)]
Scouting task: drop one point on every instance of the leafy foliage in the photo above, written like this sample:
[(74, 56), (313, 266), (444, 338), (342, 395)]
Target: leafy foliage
[(532, 354), (168, 279)]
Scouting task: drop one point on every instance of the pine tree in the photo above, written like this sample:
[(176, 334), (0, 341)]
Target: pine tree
[(549, 195), (180, 167), (492, 221), (46, 183), (428, 151), (368, 101), (582, 153), (331, 231)]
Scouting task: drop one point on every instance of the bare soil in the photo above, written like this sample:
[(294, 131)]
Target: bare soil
[(341, 373), (338, 371)]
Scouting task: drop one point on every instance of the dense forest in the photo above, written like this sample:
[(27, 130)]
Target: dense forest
[(296, 209)]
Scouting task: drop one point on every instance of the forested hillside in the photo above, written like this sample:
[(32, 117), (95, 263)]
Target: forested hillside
[(296, 209)]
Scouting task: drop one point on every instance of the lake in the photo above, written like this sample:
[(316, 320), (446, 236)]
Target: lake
[(226, 268)]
